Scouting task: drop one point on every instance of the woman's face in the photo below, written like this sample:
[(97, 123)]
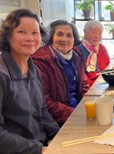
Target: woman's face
[(25, 38), (93, 36), (63, 39)]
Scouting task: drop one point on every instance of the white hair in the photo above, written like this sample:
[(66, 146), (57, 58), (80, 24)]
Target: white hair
[(92, 24)]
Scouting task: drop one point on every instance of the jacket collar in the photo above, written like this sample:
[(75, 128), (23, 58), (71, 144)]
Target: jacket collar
[(14, 69)]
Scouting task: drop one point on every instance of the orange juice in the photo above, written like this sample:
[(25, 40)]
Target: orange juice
[(90, 109)]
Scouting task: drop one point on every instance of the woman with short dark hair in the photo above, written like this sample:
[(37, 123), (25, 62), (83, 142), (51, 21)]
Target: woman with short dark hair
[(25, 123), (62, 67), (52, 28)]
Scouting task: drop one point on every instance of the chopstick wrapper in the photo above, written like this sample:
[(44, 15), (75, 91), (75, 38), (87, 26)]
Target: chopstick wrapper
[(108, 140)]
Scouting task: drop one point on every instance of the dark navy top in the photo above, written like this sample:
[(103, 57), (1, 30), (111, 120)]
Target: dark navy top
[(70, 72)]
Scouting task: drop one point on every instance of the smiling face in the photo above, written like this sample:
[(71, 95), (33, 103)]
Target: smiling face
[(63, 39), (93, 36), (25, 38)]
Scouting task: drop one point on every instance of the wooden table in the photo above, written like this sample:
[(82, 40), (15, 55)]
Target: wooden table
[(77, 127)]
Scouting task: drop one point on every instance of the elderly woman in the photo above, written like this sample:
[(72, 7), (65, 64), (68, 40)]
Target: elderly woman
[(25, 123), (97, 58), (63, 70)]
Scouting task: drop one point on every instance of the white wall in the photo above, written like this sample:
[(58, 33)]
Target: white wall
[(34, 5), (56, 9), (51, 9), (6, 7)]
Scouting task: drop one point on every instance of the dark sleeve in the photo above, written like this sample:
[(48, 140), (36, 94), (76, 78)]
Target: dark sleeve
[(11, 143), (85, 84), (49, 124)]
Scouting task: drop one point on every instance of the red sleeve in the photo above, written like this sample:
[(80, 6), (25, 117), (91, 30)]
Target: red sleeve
[(91, 77), (103, 61), (102, 58)]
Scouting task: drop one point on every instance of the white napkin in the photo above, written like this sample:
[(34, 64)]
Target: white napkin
[(107, 140), (109, 93)]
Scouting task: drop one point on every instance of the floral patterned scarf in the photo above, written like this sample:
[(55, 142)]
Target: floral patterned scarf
[(92, 58)]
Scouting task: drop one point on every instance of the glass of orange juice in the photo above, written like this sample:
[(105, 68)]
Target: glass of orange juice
[(90, 109)]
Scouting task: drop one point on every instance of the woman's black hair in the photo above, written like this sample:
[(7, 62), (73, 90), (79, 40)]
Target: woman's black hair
[(44, 34)]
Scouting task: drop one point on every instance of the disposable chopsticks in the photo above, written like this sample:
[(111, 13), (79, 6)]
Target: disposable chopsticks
[(85, 140), (106, 71)]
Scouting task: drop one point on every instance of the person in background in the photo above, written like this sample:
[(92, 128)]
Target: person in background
[(25, 123), (62, 66), (97, 58)]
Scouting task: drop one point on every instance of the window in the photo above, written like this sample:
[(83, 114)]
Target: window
[(98, 13)]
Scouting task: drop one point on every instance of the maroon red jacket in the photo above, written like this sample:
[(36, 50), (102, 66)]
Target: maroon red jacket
[(54, 82)]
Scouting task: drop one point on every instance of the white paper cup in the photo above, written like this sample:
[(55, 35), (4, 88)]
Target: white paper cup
[(104, 110)]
